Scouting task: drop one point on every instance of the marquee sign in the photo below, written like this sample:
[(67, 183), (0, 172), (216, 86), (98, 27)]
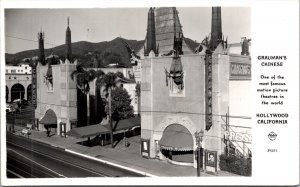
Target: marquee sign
[(240, 71), (208, 90), (238, 137), (33, 86)]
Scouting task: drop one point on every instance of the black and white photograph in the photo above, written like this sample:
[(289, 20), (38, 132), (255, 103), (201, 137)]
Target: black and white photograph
[(135, 92), (99, 99)]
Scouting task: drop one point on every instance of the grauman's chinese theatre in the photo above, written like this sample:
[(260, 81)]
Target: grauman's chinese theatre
[(187, 91)]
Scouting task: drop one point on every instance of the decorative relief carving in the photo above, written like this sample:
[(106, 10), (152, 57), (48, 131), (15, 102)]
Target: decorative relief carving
[(185, 121), (208, 89)]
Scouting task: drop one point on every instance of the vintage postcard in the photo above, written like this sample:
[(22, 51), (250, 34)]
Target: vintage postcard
[(140, 93)]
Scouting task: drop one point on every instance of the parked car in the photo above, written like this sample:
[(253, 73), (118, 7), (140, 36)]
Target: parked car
[(13, 107), (9, 108), (22, 103), (17, 101)]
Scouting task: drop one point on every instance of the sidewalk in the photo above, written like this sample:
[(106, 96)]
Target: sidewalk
[(124, 156)]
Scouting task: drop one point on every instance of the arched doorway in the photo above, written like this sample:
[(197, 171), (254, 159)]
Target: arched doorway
[(49, 121), (7, 93), (29, 92), (17, 92), (176, 144)]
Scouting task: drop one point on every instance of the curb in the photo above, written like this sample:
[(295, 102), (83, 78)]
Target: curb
[(111, 163), (96, 159)]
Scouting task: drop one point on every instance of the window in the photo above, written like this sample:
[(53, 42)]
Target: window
[(177, 90), (49, 83), (25, 67), (9, 77), (15, 78), (50, 87), (49, 79)]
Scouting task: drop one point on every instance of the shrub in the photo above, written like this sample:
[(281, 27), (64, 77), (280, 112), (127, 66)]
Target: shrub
[(235, 164), (121, 104)]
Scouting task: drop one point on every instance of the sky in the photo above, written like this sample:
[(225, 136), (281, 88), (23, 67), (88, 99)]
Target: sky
[(105, 24)]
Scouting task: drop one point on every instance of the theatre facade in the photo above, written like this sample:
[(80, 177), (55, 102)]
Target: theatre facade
[(192, 100), (188, 97)]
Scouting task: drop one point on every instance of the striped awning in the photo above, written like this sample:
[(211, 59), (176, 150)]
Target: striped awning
[(88, 131), (49, 118), (94, 130), (176, 138)]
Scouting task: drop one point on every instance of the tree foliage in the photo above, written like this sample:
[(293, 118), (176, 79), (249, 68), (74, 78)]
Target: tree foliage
[(109, 80), (83, 77), (121, 104), (236, 164)]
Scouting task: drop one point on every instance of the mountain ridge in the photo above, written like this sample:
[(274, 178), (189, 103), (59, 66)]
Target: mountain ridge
[(88, 52)]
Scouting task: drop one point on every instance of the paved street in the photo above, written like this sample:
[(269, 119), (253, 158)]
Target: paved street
[(45, 150), (20, 118), (21, 165), (122, 156), (30, 158)]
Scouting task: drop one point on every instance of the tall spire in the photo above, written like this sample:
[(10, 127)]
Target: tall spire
[(162, 30), (216, 28), (68, 43), (150, 38), (41, 37)]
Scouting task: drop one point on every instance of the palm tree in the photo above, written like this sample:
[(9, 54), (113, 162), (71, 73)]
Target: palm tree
[(109, 81), (82, 79), (99, 75)]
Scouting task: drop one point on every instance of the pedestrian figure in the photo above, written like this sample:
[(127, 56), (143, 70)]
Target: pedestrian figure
[(48, 132)]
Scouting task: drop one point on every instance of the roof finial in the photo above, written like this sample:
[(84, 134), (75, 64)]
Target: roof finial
[(68, 21)]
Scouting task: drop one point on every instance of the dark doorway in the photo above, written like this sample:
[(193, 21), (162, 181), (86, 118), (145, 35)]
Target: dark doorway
[(178, 156), (7, 93), (81, 108), (17, 92)]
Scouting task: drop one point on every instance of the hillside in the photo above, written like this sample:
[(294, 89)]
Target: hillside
[(88, 53)]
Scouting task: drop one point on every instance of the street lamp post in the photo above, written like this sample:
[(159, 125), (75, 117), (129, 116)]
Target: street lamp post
[(199, 137), (13, 126)]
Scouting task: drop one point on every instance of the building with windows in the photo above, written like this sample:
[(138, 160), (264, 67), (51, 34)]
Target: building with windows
[(20, 69), (18, 82)]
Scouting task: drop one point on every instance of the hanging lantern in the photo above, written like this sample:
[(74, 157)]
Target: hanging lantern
[(175, 73)]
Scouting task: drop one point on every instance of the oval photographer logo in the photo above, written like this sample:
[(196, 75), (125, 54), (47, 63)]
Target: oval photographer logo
[(272, 136)]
